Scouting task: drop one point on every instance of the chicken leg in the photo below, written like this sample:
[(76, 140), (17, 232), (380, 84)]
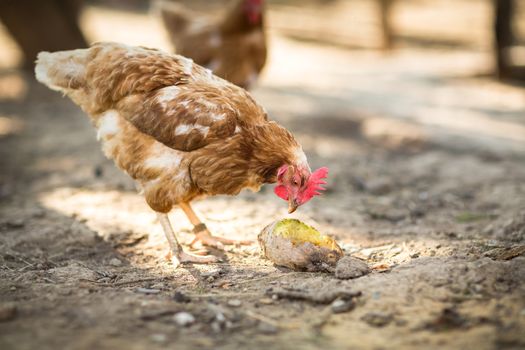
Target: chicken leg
[(202, 233), (178, 255)]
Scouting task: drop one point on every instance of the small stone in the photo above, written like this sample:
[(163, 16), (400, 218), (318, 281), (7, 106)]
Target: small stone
[(180, 297), (266, 301), (220, 317), (234, 303), (216, 327), (348, 267), (115, 262), (38, 213), (98, 171), (377, 319), (159, 338), (183, 319), (266, 328), (15, 223), (7, 312), (12, 288), (341, 305), (379, 186), (147, 290), (213, 273)]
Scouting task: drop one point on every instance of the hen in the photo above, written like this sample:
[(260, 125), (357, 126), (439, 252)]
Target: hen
[(179, 131), (234, 48)]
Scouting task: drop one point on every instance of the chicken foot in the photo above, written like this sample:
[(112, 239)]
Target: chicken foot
[(203, 235), (178, 255)]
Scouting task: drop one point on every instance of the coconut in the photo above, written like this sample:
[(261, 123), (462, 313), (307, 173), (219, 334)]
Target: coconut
[(296, 245)]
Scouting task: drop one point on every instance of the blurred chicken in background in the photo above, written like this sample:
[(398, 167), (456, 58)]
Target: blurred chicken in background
[(233, 47)]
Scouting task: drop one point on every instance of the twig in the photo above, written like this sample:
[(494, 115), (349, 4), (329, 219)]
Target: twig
[(321, 298), (258, 279), (121, 283), (269, 320), (223, 295)]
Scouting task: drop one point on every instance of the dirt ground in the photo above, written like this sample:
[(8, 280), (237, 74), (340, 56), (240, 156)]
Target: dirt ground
[(427, 184)]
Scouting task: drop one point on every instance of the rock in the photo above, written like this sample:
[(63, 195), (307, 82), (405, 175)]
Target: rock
[(183, 319), (234, 303), (159, 338), (147, 290), (266, 301), (180, 297), (14, 223), (267, 328), (379, 186), (7, 312), (349, 267), (115, 262), (377, 319), (341, 305)]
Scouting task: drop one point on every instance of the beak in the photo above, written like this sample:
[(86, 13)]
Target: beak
[(292, 205)]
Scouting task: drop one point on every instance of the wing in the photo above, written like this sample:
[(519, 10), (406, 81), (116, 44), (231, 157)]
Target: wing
[(190, 116), (168, 97)]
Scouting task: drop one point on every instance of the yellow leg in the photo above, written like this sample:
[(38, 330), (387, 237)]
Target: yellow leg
[(178, 255), (201, 231)]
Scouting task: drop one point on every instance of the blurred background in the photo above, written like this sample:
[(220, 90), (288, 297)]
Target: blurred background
[(416, 106)]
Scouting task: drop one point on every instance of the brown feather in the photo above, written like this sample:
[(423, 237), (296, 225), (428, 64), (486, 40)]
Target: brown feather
[(171, 125)]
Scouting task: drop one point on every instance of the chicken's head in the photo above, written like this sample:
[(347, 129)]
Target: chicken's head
[(298, 185), (253, 10)]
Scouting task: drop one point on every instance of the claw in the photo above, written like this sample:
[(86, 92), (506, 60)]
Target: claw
[(205, 238)]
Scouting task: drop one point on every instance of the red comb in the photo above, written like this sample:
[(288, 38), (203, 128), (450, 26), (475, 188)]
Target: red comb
[(314, 183)]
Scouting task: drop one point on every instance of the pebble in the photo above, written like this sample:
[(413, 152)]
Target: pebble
[(159, 338), (115, 262), (348, 267), (147, 290), (183, 319), (216, 327), (339, 306), (7, 312), (15, 223), (234, 303), (266, 301), (180, 297), (266, 328), (377, 319), (379, 186)]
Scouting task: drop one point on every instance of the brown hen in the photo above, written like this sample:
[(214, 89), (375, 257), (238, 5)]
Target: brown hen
[(234, 47), (178, 130)]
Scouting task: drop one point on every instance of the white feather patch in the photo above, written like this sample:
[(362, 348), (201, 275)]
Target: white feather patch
[(163, 157), (183, 129), (216, 117), (300, 156), (206, 103), (108, 124), (187, 65), (202, 129), (167, 94)]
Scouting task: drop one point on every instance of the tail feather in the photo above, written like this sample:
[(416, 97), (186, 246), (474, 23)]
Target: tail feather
[(62, 70)]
